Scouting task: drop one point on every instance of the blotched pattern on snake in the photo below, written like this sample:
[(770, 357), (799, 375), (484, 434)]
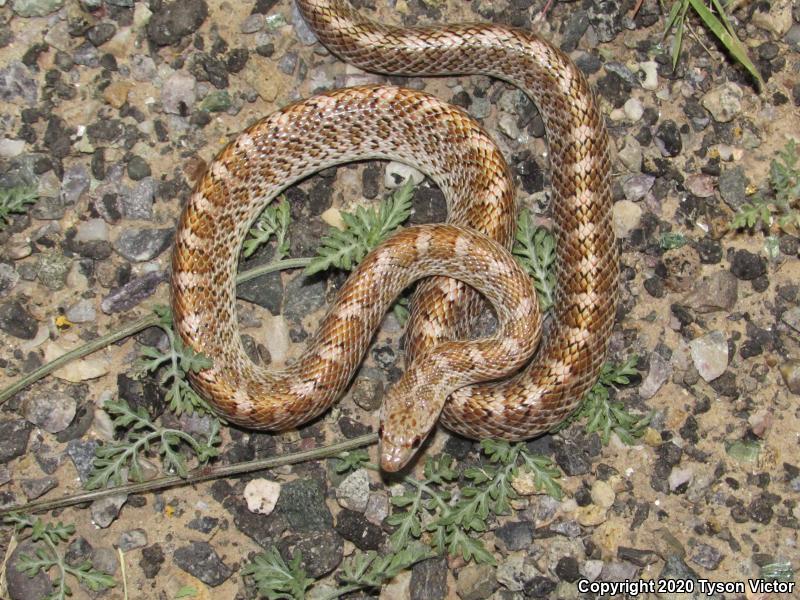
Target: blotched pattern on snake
[(390, 123)]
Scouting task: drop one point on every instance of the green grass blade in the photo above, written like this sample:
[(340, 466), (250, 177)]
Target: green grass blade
[(729, 40)]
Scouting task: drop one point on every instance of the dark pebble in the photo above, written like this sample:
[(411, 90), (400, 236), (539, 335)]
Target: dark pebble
[(82, 454), (101, 33), (750, 348), (15, 434), (706, 556), (640, 515), (615, 89), (57, 137), (529, 171), (263, 7), (371, 181), (105, 131), (15, 320), (132, 293), (573, 459), (567, 569), (516, 535), (175, 20), (355, 527), (322, 551), (141, 392), (709, 250), (668, 138), (302, 503), (266, 50), (760, 510), (237, 59), (429, 580), (540, 587), (19, 585), (214, 70), (655, 287), (640, 558), (462, 99), (151, 560), (138, 168), (725, 385), (428, 205), (577, 24), (200, 560), (689, 430), (589, 63), (699, 117), (789, 245), (739, 513), (668, 456), (748, 266), (760, 284), (33, 488)]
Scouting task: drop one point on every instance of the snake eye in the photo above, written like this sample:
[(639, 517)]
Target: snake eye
[(380, 431), (417, 441)]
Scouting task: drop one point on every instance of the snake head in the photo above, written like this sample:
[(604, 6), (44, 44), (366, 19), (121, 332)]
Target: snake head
[(409, 413), (397, 450)]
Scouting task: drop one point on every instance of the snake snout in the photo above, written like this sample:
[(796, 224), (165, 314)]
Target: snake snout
[(395, 452)]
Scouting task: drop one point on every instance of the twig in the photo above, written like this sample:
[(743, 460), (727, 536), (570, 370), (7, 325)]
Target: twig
[(80, 352), (132, 329), (196, 476)]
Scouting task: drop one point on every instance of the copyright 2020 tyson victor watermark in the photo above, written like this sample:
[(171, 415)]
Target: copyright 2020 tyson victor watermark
[(684, 586)]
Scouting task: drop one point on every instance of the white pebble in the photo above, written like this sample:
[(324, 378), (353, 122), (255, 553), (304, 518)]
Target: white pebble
[(633, 109), (262, 495), (650, 70), (398, 173)]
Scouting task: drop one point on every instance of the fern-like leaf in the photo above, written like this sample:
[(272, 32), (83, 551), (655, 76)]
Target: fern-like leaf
[(364, 230)]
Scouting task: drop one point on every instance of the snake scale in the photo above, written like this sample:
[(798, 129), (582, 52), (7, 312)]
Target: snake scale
[(456, 380)]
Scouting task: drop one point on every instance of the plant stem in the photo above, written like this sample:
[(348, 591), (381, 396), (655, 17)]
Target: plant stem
[(341, 591), (132, 329), (197, 475), (80, 352), (278, 265)]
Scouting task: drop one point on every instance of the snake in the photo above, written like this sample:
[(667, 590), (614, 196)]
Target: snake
[(510, 385)]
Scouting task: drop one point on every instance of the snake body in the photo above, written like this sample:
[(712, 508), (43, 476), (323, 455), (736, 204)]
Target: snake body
[(445, 143)]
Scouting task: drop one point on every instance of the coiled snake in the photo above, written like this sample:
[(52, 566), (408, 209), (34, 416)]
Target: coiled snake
[(391, 123)]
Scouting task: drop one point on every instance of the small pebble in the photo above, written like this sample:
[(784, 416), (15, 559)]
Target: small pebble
[(633, 109), (724, 102), (262, 495), (710, 354), (397, 174), (353, 492)]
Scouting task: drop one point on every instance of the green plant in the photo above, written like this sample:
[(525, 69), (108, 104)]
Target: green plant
[(783, 205), (443, 513), (719, 25), (448, 507), (671, 241), (535, 249), (178, 361), (274, 220), (364, 229), (119, 462), (15, 200), (605, 416), (48, 556), (275, 579)]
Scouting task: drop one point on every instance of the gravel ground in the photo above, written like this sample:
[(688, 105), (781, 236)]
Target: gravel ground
[(113, 108)]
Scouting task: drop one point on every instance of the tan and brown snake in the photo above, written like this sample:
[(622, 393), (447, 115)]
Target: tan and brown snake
[(448, 376)]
